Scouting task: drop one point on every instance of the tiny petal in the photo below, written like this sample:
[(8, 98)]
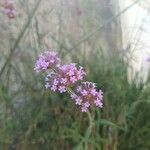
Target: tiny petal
[(53, 88), (63, 80), (55, 82), (70, 73), (73, 79), (84, 109), (47, 85), (73, 96), (98, 103), (79, 89), (93, 91), (62, 89), (86, 104), (84, 92), (78, 101)]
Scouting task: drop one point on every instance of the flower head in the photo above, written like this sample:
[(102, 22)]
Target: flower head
[(86, 95), (47, 60), (65, 76), (9, 8)]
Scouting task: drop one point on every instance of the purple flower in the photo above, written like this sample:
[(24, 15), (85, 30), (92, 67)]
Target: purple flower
[(47, 60), (65, 76), (98, 103), (84, 92), (86, 96), (62, 78), (73, 79), (79, 89), (9, 8), (62, 89), (55, 82), (53, 88), (78, 101), (84, 109)]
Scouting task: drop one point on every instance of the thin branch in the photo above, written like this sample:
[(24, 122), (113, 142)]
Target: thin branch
[(102, 26), (17, 41)]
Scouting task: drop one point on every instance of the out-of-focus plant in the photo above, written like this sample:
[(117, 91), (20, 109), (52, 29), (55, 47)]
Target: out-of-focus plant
[(32, 118), (9, 8)]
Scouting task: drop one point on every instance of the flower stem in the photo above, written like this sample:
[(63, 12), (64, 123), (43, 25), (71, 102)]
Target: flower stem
[(89, 130)]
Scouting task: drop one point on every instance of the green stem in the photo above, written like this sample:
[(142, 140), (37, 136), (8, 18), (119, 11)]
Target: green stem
[(89, 130), (87, 134)]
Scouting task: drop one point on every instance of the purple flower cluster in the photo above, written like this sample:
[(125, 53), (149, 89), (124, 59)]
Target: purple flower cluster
[(9, 8), (86, 95), (62, 77), (66, 76), (47, 60)]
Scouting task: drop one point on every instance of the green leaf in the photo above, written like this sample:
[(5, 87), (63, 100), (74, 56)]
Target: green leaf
[(108, 123)]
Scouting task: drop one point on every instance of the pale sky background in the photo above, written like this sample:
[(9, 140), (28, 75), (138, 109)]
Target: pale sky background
[(136, 31)]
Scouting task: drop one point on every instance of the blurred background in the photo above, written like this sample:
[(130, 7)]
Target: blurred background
[(110, 39)]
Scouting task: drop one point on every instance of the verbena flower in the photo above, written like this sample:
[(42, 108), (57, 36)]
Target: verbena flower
[(64, 77), (9, 8), (86, 95), (47, 60)]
